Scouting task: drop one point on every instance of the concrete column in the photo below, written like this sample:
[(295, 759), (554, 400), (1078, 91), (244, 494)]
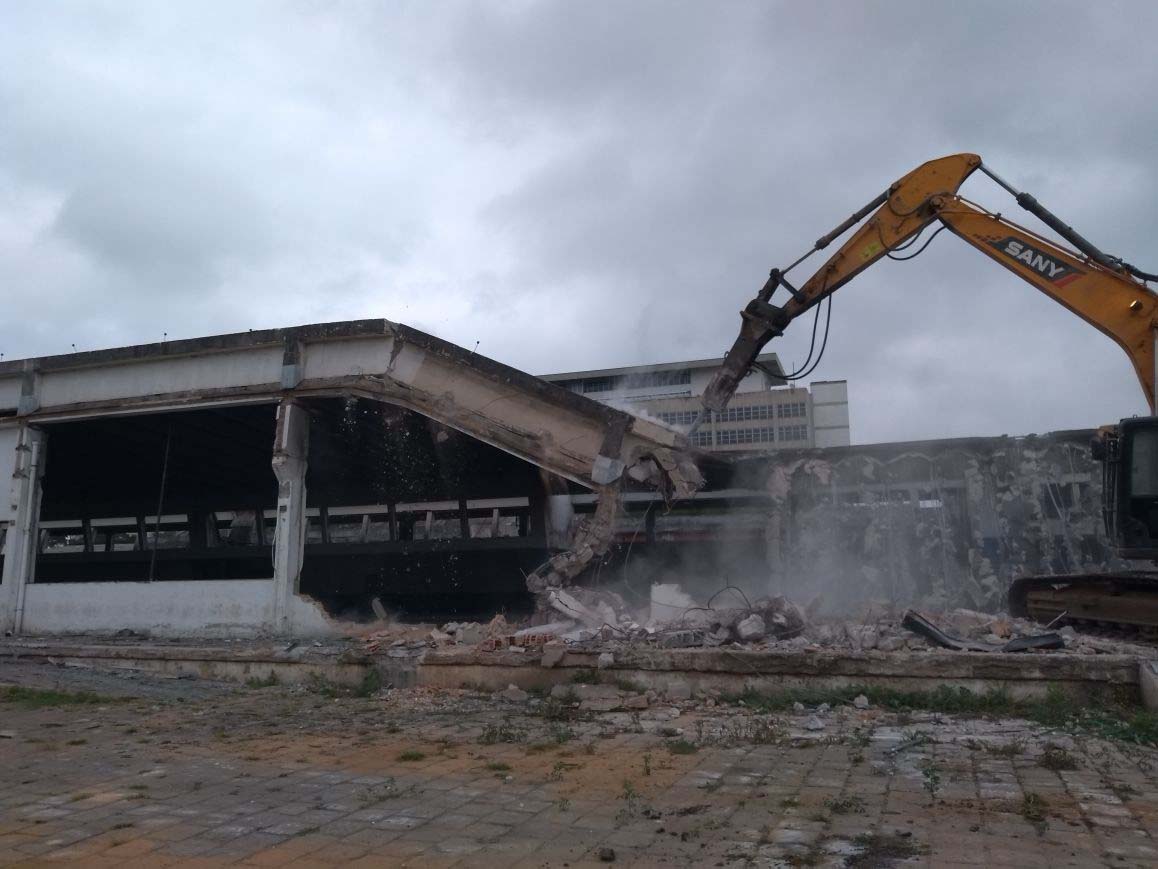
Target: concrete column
[(291, 445), (20, 557)]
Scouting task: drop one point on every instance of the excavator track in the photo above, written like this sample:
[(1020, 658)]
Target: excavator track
[(1127, 600)]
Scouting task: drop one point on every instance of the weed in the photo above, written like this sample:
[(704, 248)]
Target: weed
[(856, 757), (392, 727), (501, 732), (411, 755), (371, 684), (629, 791), (931, 778), (587, 677), (1056, 758), (789, 803), (589, 748), (498, 766), (558, 709), (682, 746), (668, 732), (77, 742), (34, 698), (562, 804), (629, 686), (560, 767), (561, 735), (268, 682), (845, 805), (1033, 809), (123, 825), (138, 787), (541, 747), (76, 798), (647, 763)]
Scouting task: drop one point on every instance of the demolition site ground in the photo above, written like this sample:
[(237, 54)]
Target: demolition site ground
[(118, 770)]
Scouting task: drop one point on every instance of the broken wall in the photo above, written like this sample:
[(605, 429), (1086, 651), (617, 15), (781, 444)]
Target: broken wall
[(933, 524)]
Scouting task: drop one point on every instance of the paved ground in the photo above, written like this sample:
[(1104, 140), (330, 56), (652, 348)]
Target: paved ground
[(272, 776)]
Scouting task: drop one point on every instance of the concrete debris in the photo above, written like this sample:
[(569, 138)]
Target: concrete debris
[(813, 723), (514, 694), (860, 702), (552, 655), (751, 628), (606, 659)]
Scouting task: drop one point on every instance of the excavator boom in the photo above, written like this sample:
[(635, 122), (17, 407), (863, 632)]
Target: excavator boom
[(1098, 288)]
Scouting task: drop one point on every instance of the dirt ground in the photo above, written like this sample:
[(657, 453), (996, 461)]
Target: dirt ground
[(152, 771)]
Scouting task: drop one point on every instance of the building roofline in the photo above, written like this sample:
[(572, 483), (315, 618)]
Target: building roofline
[(769, 359)]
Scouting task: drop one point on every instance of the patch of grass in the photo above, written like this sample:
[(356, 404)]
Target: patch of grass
[(123, 825), (845, 805), (504, 731), (76, 798), (682, 746), (411, 755), (268, 682), (35, 698), (630, 686), (1115, 717), (789, 803), (1056, 758), (138, 787), (498, 766), (370, 685), (882, 849), (587, 677), (77, 742)]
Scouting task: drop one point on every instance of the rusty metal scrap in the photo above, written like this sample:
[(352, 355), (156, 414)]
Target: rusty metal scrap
[(918, 624)]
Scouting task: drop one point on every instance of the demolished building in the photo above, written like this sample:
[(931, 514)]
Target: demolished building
[(277, 481), (231, 484)]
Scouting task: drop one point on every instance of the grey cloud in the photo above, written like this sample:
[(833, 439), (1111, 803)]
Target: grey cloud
[(576, 185)]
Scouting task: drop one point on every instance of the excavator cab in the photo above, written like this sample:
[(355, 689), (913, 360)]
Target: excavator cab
[(1129, 456)]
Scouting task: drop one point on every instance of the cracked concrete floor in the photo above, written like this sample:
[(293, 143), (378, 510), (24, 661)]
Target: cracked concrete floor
[(277, 776)]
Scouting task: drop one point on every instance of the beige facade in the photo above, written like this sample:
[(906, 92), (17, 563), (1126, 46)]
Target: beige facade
[(765, 413)]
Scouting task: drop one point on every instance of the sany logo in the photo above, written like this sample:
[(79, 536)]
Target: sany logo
[(1052, 268)]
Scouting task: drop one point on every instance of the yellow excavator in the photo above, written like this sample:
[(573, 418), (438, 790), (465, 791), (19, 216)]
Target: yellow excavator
[(1105, 291)]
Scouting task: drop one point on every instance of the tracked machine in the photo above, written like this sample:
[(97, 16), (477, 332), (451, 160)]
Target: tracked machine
[(1105, 291)]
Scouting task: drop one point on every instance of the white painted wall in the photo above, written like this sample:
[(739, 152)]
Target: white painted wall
[(250, 367), (830, 413), (209, 608)]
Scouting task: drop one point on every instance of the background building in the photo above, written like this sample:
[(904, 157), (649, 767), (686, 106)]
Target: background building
[(765, 413)]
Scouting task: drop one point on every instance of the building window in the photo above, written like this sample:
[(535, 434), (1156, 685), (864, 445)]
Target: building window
[(735, 436), (600, 384), (793, 433), (701, 439), (791, 409), (680, 377), (742, 413), (678, 417)]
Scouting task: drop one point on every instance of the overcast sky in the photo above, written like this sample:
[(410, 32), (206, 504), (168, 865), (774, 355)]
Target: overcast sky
[(575, 185)]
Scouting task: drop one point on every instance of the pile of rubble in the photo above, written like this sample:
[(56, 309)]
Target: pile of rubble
[(599, 619)]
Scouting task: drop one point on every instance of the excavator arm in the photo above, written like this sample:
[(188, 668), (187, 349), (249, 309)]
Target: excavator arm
[(1104, 291)]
